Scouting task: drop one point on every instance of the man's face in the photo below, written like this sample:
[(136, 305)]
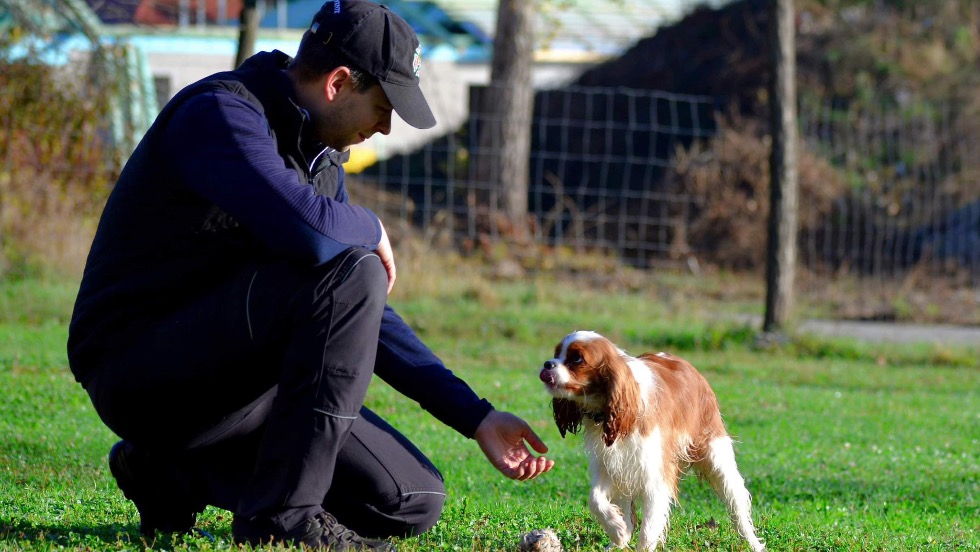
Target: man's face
[(351, 117)]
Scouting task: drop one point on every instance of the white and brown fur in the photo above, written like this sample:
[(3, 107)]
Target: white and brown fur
[(646, 421)]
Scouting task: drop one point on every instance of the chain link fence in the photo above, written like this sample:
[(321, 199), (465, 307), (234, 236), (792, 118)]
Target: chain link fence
[(889, 200)]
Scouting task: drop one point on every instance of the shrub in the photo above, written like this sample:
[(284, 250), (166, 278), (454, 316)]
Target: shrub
[(57, 160), (728, 180)]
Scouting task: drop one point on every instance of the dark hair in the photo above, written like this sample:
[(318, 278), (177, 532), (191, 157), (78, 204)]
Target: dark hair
[(314, 58)]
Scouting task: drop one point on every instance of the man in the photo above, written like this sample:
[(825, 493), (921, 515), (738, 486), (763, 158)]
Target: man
[(233, 306)]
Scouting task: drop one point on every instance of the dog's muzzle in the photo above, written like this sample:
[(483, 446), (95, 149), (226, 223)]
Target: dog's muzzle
[(547, 374)]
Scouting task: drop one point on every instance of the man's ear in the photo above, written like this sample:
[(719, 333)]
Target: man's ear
[(335, 81)]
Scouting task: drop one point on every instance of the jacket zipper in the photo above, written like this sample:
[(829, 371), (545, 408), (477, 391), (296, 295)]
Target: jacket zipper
[(313, 164), (311, 176)]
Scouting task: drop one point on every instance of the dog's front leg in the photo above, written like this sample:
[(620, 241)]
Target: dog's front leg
[(609, 514), (657, 501)]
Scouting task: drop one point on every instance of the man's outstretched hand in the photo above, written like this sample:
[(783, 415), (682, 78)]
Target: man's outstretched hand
[(501, 436)]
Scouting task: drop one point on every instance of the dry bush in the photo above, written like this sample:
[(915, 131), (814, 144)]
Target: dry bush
[(728, 181), (56, 166)]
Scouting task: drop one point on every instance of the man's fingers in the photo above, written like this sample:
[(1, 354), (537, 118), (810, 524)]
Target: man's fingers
[(391, 276), (533, 467), (536, 443), (542, 465)]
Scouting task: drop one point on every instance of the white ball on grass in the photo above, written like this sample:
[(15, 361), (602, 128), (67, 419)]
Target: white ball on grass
[(541, 540)]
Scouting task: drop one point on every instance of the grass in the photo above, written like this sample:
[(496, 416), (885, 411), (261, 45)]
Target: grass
[(844, 445)]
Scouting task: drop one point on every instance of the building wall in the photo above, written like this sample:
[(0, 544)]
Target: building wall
[(177, 62)]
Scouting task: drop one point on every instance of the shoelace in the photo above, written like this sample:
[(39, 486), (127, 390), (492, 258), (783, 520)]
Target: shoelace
[(337, 530)]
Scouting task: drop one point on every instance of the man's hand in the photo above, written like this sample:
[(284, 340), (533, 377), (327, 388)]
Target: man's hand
[(501, 437), (387, 256)]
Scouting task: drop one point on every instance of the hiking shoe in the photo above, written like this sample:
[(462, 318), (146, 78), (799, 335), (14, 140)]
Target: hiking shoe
[(164, 502), (322, 532)]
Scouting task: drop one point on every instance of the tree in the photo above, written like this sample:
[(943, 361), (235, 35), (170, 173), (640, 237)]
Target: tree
[(248, 31), (783, 182), (506, 109)]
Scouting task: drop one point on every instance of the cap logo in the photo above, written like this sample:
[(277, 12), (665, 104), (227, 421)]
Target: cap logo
[(315, 27), (336, 6), (417, 61)]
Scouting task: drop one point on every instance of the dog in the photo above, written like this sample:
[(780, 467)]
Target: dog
[(646, 421)]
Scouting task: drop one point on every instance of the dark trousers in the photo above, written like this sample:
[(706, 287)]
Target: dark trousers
[(254, 393)]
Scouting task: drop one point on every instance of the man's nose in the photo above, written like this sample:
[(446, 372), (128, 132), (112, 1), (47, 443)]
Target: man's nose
[(384, 124)]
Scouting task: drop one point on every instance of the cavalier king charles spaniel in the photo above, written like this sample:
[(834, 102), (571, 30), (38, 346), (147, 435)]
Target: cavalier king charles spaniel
[(646, 421)]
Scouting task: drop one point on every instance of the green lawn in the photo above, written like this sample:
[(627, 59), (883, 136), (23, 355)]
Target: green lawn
[(845, 446)]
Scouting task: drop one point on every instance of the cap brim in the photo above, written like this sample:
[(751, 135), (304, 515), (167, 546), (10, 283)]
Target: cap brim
[(409, 104)]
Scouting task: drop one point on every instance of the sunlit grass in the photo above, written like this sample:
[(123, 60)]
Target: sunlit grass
[(844, 445)]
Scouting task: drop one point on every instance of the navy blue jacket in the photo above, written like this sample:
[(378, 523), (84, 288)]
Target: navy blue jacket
[(227, 176)]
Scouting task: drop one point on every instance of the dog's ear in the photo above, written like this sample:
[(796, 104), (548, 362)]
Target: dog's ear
[(568, 416), (623, 406)]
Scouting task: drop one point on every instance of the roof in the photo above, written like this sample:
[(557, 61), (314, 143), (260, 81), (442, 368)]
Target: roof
[(583, 29), (463, 30)]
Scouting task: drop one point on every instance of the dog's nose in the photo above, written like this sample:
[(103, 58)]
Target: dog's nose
[(547, 374)]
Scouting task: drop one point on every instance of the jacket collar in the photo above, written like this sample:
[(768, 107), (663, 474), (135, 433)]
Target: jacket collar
[(265, 73)]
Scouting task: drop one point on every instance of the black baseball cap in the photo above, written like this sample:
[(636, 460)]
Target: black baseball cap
[(382, 44)]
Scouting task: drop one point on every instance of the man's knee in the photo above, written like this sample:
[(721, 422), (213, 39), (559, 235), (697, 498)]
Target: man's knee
[(355, 275), (364, 266), (421, 511), (282, 294)]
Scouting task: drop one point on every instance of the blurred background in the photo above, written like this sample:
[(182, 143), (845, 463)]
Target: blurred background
[(648, 141)]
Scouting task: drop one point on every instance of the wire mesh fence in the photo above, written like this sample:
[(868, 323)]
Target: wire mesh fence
[(890, 199)]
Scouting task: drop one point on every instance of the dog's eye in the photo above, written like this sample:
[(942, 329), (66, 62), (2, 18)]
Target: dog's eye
[(574, 358)]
